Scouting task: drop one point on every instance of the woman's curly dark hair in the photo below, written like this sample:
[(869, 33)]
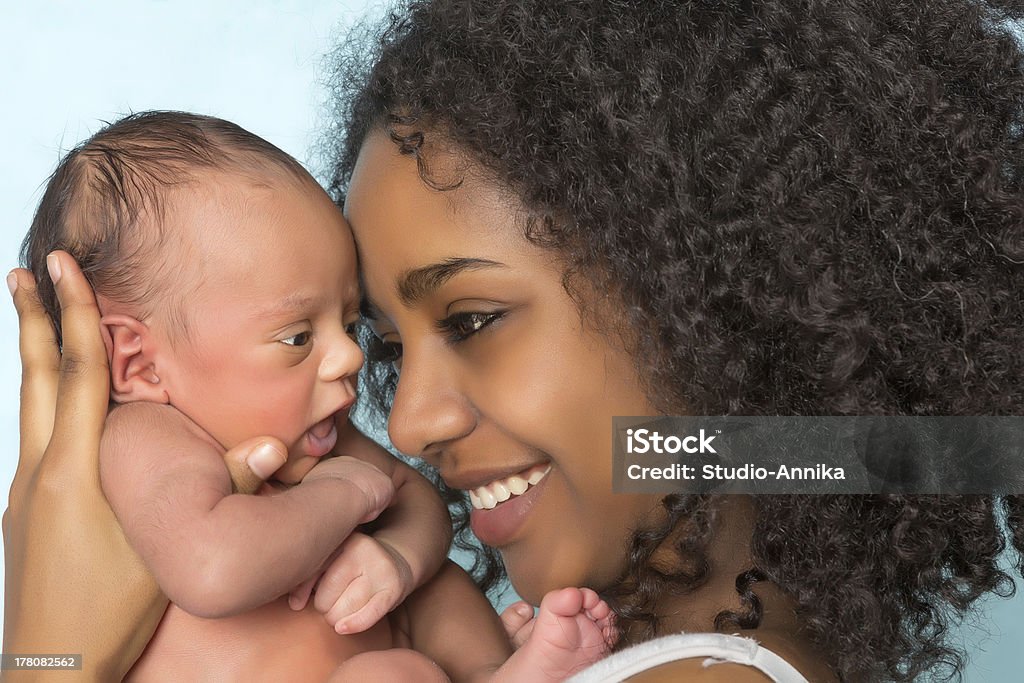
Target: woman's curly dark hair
[(806, 207)]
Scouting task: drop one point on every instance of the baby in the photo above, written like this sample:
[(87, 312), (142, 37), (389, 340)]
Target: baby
[(226, 281)]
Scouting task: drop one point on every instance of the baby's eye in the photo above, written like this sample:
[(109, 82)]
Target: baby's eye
[(351, 330), (300, 339)]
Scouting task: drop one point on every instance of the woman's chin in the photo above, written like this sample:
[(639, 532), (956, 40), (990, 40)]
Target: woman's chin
[(530, 591), (532, 577)]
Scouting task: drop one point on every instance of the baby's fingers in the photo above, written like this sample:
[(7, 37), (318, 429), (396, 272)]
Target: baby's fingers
[(83, 387), (518, 622), (298, 598), (40, 363), (360, 607), (343, 591), (361, 585), (334, 584)]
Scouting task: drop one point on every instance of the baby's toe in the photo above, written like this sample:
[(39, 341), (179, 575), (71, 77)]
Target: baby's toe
[(567, 602)]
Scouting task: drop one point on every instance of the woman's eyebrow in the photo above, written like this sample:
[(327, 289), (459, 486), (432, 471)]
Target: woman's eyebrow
[(416, 284)]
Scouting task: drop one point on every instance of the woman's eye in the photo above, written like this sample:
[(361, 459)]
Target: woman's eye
[(300, 339), (460, 326)]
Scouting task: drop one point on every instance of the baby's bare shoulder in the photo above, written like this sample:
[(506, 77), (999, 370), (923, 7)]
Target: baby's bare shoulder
[(149, 448), (143, 414), (138, 426)]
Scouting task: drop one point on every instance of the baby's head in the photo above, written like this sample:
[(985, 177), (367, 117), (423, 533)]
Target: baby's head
[(225, 276)]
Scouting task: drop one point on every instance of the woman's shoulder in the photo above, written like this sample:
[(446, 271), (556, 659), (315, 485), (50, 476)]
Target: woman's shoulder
[(708, 657)]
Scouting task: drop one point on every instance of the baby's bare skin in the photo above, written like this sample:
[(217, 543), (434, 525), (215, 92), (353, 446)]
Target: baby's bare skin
[(270, 643), (573, 629)]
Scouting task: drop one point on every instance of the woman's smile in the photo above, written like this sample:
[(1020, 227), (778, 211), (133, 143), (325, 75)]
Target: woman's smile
[(488, 496), (501, 507)]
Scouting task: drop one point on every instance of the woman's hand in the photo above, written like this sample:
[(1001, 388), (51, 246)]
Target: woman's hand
[(73, 585)]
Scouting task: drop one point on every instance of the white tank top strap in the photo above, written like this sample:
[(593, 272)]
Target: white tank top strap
[(715, 648)]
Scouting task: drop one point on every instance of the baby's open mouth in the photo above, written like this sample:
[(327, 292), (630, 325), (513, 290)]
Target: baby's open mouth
[(322, 437)]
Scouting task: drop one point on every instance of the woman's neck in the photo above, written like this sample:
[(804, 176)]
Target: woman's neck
[(731, 521), (729, 555)]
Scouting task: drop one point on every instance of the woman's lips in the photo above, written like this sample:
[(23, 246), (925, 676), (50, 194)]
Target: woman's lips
[(495, 523)]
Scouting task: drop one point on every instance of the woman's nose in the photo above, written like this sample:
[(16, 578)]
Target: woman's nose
[(429, 408), (342, 359)]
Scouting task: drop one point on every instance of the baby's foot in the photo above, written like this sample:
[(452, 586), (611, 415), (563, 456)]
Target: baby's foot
[(572, 630)]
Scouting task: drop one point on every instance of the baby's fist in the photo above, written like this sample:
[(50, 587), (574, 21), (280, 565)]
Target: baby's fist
[(370, 484), (365, 581)]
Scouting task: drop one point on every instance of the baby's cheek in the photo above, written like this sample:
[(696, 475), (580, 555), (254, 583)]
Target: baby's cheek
[(283, 419)]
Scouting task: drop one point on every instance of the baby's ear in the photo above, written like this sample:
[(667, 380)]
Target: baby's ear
[(130, 351)]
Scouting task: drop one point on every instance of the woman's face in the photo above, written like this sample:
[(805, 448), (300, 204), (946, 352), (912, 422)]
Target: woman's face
[(501, 385)]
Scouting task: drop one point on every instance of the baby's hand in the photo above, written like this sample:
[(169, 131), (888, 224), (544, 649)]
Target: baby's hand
[(518, 620), (369, 484), (365, 580)]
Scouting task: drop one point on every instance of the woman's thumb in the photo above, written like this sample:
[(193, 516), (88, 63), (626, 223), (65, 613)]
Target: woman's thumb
[(252, 462)]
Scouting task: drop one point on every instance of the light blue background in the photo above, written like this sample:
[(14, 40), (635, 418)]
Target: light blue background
[(67, 65)]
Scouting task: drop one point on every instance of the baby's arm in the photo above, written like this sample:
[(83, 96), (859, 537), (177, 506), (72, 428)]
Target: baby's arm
[(416, 525), (215, 553), (409, 541)]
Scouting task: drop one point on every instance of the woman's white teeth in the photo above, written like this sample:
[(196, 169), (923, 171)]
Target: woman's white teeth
[(501, 491), (498, 491), (517, 485)]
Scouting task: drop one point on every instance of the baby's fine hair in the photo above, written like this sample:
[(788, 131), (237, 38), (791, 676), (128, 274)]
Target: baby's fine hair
[(105, 204)]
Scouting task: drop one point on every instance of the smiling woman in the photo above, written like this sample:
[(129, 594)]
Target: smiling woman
[(700, 208)]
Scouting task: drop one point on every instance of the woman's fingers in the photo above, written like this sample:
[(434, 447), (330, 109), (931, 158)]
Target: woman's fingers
[(66, 558), (83, 391), (254, 461), (40, 361)]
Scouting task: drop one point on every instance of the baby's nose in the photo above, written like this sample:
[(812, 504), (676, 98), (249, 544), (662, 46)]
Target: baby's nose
[(343, 359)]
